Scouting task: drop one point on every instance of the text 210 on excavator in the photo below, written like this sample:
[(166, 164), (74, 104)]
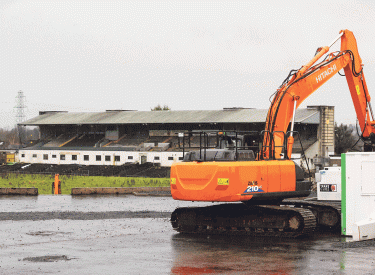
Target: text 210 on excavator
[(266, 176)]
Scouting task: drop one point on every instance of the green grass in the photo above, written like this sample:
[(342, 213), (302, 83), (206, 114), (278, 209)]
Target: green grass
[(44, 182)]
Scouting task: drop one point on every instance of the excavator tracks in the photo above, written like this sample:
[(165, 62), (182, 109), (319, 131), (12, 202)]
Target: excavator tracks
[(327, 213), (240, 219)]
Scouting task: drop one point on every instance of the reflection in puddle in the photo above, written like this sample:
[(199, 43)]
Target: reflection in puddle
[(243, 255)]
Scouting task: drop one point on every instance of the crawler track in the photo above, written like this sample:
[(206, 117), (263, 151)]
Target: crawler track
[(239, 219), (327, 213)]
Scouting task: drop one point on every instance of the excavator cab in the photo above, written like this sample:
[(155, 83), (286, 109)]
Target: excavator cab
[(222, 146)]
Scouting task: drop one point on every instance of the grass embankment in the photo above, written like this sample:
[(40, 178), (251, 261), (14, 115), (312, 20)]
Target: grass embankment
[(44, 182)]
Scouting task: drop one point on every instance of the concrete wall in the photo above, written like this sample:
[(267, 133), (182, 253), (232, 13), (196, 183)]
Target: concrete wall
[(310, 153), (325, 135), (326, 130)]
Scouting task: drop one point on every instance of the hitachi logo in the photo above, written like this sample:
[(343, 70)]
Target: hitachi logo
[(325, 73)]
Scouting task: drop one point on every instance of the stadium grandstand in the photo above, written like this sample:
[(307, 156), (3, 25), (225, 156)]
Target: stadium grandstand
[(120, 137)]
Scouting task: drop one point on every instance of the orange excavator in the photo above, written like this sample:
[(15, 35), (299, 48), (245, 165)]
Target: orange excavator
[(266, 179)]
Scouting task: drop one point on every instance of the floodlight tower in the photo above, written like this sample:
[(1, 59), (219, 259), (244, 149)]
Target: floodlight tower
[(20, 115)]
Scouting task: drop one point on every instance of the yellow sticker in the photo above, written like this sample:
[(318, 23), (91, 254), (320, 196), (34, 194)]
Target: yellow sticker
[(173, 180), (222, 181), (357, 88)]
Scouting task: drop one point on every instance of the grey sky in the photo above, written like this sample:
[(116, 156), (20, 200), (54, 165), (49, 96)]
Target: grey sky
[(97, 55)]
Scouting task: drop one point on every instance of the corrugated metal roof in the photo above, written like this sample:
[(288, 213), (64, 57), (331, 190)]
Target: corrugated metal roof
[(309, 116)]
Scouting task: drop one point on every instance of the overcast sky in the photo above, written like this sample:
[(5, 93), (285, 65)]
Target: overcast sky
[(196, 55)]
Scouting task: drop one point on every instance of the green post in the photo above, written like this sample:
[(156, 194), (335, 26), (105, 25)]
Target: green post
[(343, 194)]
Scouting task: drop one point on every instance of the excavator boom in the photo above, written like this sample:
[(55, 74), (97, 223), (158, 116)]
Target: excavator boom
[(304, 82)]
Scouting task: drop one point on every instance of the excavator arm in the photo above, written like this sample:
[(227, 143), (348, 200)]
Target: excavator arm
[(302, 83)]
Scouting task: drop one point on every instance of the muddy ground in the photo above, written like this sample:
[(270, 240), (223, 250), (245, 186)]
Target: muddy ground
[(133, 235)]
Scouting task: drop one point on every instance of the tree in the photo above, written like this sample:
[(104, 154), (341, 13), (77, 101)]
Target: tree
[(345, 139), (12, 136), (159, 108)]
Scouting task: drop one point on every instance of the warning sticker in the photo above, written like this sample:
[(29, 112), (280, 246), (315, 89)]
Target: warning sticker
[(328, 188), (221, 181)]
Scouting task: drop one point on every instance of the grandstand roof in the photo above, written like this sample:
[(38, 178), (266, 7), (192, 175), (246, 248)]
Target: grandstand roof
[(308, 116)]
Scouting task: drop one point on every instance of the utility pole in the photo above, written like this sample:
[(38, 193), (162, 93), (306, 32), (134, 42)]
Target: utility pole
[(20, 116)]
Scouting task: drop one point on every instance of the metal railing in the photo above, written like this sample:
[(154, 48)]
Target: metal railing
[(256, 140), (237, 139)]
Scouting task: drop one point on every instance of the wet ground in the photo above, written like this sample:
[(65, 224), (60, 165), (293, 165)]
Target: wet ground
[(133, 235)]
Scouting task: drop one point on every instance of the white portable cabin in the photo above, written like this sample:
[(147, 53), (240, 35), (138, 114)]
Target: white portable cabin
[(358, 195)]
